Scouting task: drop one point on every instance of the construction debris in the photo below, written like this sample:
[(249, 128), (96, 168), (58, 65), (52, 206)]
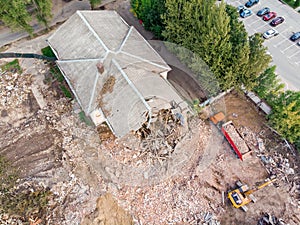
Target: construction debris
[(238, 140), (268, 219), (159, 141), (248, 136)]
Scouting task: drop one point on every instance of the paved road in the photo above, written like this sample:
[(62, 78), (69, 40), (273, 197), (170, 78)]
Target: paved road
[(285, 53)]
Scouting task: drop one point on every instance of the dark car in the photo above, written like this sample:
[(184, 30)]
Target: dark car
[(251, 3), (263, 11), (269, 16), (295, 36), (277, 21)]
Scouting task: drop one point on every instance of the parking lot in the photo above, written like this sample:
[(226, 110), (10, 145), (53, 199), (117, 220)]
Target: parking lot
[(285, 53)]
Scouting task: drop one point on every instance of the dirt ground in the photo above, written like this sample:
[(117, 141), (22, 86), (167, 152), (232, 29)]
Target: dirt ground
[(41, 132)]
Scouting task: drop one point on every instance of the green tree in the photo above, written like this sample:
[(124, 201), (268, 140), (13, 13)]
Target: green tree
[(14, 14), (268, 86), (258, 61), (285, 116), (43, 11), (150, 12), (203, 28), (240, 50), (94, 3)]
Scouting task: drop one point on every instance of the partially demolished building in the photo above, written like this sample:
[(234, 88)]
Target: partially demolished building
[(114, 73)]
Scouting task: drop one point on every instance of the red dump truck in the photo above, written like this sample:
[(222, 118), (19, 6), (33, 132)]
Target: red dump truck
[(232, 135)]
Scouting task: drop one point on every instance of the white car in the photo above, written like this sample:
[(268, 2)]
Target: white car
[(240, 8), (270, 33)]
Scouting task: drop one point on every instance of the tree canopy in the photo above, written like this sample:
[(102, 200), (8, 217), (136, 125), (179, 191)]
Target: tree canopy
[(150, 12), (214, 33), (285, 116), (15, 13), (268, 86)]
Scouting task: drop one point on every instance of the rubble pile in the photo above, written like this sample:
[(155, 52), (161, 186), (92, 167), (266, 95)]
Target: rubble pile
[(6, 219), (159, 141), (268, 219), (238, 140), (150, 145), (249, 136), (279, 164), (176, 201), (14, 89)]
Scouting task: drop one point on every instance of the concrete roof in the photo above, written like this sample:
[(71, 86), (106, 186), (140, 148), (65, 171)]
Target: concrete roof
[(126, 91)]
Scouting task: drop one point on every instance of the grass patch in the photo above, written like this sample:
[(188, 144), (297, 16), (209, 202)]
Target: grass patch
[(57, 74), (85, 119), (66, 91), (12, 66), (47, 51)]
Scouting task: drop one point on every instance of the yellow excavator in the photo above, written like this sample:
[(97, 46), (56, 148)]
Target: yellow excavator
[(241, 196)]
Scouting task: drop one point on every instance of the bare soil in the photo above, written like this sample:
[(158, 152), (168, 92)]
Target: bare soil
[(186, 85), (108, 213)]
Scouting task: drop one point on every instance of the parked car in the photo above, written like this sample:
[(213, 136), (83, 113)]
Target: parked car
[(263, 11), (277, 21), (295, 36), (251, 3), (240, 8), (269, 16), (270, 33), (246, 13), (298, 43)]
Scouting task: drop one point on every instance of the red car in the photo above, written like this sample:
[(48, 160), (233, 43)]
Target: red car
[(277, 21), (269, 16)]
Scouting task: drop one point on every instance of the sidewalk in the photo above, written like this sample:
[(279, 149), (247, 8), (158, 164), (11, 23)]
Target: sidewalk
[(7, 36)]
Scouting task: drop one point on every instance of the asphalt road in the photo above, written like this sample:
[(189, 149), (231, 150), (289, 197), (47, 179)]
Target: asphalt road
[(285, 53)]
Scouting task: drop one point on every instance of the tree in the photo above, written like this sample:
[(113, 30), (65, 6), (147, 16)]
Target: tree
[(268, 86), (285, 116), (203, 28), (257, 63), (14, 14), (43, 11), (213, 33), (240, 45), (150, 12), (94, 3)]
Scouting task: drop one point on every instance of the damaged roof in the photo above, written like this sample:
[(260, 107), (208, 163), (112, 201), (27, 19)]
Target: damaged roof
[(131, 79)]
